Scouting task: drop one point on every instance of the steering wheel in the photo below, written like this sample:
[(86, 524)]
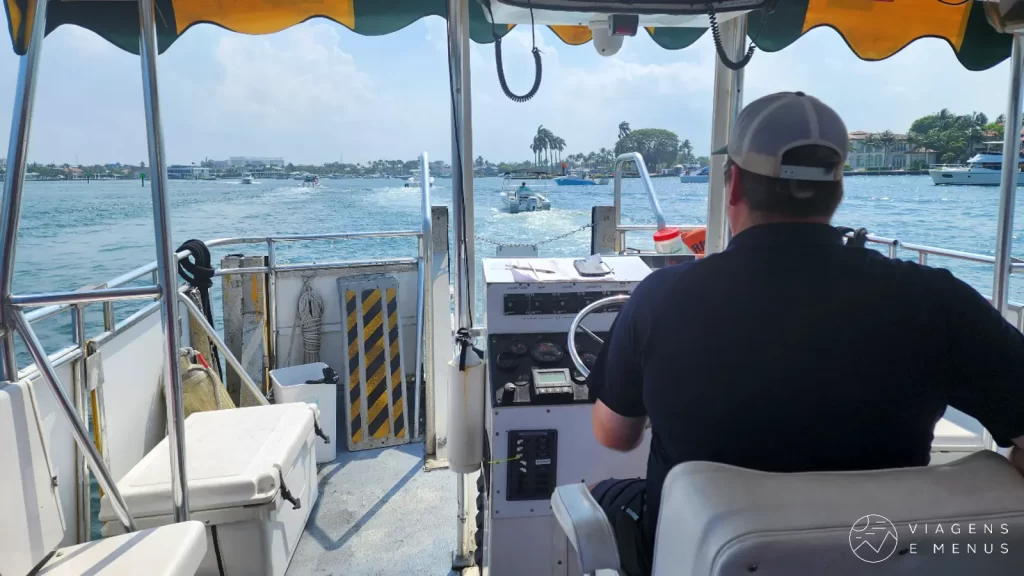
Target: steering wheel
[(576, 326)]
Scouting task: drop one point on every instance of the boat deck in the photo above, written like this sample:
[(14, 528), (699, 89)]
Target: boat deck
[(380, 513)]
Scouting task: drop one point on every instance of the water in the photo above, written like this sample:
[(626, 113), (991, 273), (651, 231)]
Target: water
[(75, 233)]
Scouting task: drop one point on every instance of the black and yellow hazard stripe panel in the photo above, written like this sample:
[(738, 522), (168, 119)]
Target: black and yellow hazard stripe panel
[(395, 366), (375, 410)]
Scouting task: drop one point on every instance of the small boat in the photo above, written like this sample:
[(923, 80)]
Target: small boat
[(248, 179), (311, 181), (516, 199), (695, 176), (575, 179), (416, 182)]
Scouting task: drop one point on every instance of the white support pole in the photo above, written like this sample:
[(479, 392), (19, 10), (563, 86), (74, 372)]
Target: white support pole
[(166, 260), (462, 207), (14, 182), (728, 101), (1008, 188)]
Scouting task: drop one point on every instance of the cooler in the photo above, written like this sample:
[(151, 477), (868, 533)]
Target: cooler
[(290, 385), (251, 480)]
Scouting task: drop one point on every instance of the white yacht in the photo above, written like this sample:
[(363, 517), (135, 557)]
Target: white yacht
[(248, 179), (427, 456), (983, 169), (520, 198)]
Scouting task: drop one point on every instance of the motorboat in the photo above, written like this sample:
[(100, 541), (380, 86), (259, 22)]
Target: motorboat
[(698, 175), (415, 182), (574, 179), (521, 198), (311, 181), (276, 476), (247, 178), (983, 169)]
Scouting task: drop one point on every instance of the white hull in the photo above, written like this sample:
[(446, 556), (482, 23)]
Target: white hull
[(965, 177), (415, 182), (530, 203)]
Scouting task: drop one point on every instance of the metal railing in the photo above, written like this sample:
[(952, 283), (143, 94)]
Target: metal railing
[(652, 197), (49, 304)]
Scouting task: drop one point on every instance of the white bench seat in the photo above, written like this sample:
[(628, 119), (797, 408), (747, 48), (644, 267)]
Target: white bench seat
[(175, 550)]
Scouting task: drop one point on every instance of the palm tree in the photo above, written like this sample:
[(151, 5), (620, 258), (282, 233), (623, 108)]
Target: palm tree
[(686, 152), (887, 140), (623, 129), (559, 145), (871, 143), (547, 140)]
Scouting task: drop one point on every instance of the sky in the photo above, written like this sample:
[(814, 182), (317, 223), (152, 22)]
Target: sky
[(318, 92)]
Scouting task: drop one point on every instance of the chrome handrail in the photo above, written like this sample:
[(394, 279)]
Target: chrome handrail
[(652, 196)]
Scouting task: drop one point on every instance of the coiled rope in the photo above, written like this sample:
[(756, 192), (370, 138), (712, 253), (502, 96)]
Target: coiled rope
[(308, 319), (198, 272)]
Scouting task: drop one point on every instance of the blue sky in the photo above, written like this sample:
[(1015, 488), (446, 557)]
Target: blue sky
[(318, 92)]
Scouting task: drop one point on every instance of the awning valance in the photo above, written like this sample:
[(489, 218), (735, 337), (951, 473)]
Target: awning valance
[(874, 29)]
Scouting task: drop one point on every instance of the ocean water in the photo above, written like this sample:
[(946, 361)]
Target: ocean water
[(75, 234)]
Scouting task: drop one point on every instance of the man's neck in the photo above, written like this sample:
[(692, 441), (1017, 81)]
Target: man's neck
[(759, 219)]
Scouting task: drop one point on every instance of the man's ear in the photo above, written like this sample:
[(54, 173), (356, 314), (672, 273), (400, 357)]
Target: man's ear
[(735, 188)]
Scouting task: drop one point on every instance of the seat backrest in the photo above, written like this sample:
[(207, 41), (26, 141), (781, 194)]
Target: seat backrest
[(965, 517), (31, 521)]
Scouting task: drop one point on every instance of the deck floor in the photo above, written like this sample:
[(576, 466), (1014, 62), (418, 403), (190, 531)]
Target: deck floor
[(380, 513)]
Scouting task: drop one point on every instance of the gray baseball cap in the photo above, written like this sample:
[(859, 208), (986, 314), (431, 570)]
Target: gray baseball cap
[(772, 125)]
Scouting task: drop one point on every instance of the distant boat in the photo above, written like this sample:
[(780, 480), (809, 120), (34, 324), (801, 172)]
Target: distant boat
[(248, 179), (695, 176), (576, 179), (416, 182), (311, 181)]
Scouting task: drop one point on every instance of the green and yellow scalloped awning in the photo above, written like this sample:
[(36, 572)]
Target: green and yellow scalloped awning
[(874, 29)]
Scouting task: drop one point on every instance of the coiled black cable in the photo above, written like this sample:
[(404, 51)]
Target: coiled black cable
[(198, 272), (501, 74), (537, 66), (717, 36)]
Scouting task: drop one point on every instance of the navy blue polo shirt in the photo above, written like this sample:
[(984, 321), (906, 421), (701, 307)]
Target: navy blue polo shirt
[(791, 352)]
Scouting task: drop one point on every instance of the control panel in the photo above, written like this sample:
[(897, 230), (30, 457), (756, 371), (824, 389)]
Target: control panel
[(555, 302), (534, 369), (533, 460), (538, 417)]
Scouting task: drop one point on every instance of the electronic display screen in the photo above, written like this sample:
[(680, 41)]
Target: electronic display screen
[(552, 378)]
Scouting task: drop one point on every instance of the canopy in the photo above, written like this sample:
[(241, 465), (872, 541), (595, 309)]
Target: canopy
[(874, 29)]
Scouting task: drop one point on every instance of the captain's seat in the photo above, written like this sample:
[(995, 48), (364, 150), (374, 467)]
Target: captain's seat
[(32, 524), (964, 517)]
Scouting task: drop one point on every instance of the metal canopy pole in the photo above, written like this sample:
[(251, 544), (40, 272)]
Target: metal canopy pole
[(1008, 181), (166, 260), (462, 205), (14, 182), (423, 294), (1008, 189), (728, 101), (462, 162), (78, 430)]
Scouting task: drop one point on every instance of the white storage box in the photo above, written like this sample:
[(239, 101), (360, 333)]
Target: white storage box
[(289, 385), (236, 461)]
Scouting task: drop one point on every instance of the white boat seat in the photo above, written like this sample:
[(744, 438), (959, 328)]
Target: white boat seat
[(719, 520), (174, 550), (32, 525)]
